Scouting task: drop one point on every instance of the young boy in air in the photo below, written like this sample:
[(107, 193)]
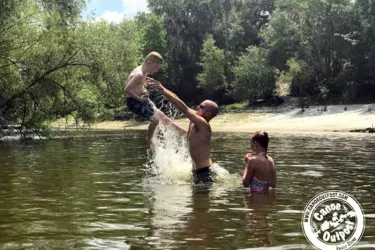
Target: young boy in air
[(137, 97)]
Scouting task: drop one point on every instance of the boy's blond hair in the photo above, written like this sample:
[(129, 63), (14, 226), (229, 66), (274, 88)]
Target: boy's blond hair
[(154, 57)]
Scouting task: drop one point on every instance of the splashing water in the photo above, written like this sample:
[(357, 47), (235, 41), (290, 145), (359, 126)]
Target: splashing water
[(164, 104), (223, 178), (169, 160)]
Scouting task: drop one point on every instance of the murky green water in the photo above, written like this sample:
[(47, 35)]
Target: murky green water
[(92, 193)]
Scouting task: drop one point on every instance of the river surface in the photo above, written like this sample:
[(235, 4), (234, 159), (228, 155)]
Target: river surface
[(106, 190)]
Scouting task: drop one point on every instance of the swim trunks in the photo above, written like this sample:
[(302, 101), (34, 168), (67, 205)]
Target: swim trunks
[(143, 109), (202, 175)]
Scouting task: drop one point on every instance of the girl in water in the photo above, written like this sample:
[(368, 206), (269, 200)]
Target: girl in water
[(260, 171)]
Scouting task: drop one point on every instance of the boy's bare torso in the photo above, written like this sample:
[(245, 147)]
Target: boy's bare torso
[(138, 87)]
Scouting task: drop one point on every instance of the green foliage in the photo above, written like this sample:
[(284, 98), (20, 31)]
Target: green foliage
[(297, 71), (153, 38), (154, 35), (112, 59), (299, 75), (254, 77), (54, 64), (70, 8), (233, 24), (239, 106), (213, 64)]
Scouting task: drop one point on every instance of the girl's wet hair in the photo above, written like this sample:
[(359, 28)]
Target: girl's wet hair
[(261, 138)]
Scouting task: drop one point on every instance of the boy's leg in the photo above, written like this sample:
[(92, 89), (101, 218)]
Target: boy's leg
[(157, 116), (151, 130)]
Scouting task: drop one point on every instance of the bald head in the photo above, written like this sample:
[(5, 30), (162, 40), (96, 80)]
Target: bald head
[(211, 107)]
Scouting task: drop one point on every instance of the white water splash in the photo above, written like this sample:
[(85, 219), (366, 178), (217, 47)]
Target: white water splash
[(19, 137), (170, 162), (223, 178)]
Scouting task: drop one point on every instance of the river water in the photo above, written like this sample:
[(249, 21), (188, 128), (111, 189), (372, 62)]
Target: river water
[(108, 190)]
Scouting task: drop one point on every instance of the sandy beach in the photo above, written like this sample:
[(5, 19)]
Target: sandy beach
[(280, 119)]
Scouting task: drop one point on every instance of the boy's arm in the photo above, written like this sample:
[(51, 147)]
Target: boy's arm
[(129, 89), (180, 105)]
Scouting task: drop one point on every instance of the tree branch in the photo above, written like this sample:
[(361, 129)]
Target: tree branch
[(6, 105)]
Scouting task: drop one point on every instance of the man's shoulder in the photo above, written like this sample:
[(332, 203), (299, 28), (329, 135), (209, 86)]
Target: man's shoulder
[(203, 124), (201, 128)]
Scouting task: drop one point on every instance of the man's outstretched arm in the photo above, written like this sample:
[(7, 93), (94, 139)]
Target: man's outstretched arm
[(180, 105), (179, 129)]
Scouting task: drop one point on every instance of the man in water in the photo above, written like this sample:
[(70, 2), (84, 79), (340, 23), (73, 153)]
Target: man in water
[(199, 133)]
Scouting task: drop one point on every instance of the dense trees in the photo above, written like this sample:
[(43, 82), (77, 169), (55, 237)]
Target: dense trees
[(55, 64), (330, 41)]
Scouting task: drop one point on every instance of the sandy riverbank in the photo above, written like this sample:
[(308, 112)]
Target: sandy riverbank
[(280, 119)]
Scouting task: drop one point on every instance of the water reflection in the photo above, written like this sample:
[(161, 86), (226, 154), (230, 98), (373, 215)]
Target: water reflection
[(169, 210), (199, 231), (94, 192), (258, 223)]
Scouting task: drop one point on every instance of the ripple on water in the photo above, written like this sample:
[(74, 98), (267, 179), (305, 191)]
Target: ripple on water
[(311, 166), (101, 226), (295, 234), (66, 194), (112, 243), (290, 211), (193, 239), (241, 209), (364, 245), (312, 173), (282, 247), (216, 210), (118, 200)]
